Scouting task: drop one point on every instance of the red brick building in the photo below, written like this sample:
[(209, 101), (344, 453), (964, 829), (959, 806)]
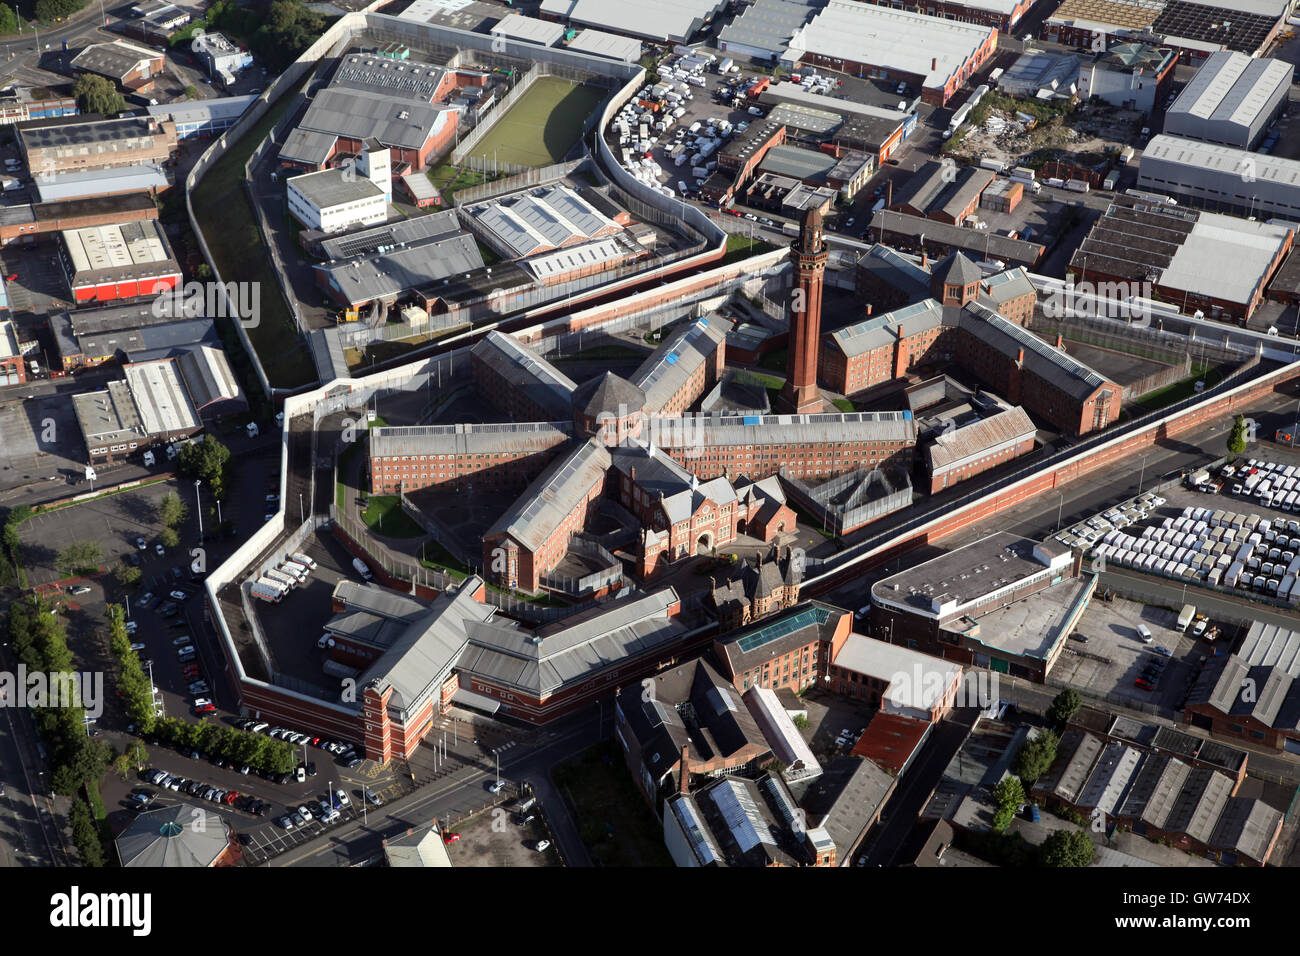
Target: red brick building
[(808, 255), (961, 323), (462, 456), (792, 649)]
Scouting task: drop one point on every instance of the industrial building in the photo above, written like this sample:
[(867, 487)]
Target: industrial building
[(1194, 30), (674, 21), (1003, 14), (120, 180), (932, 55), (1270, 657), (129, 66), (150, 406), (528, 30), (956, 605), (1232, 100), (76, 145), (911, 233), (122, 261), (608, 45), (1132, 76), (1222, 178), (765, 28), (945, 194), (1035, 71), (1180, 252), (201, 118)]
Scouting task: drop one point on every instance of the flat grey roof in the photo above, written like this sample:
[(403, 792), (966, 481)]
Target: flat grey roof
[(798, 163), (418, 229), (109, 415), (388, 274), (99, 133), (332, 187), (468, 439)]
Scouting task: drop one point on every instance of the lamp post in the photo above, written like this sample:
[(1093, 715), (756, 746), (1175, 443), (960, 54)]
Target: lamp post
[(1142, 474), (198, 506)]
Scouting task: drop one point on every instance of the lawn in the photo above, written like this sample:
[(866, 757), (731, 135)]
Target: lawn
[(742, 247), (843, 404), (384, 515), (434, 555), (236, 245), (1164, 397), (542, 126), (616, 825)]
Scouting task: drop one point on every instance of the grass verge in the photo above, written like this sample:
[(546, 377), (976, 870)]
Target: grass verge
[(384, 515)]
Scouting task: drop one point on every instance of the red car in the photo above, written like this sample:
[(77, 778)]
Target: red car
[(314, 741), (450, 837), (12, 278), (205, 709), (231, 797), (1143, 683)]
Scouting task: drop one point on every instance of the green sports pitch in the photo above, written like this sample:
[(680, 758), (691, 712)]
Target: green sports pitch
[(542, 126)]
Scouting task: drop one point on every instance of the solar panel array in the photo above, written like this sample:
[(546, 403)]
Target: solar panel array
[(787, 625), (414, 80)]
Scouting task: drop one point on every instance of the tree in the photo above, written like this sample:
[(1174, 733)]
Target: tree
[(1237, 438), (191, 93), (1064, 706), (126, 574), (8, 19), (205, 459), (1036, 756), (169, 538), (171, 510), (79, 556), (1008, 795), (1067, 848), (85, 835), (95, 94)]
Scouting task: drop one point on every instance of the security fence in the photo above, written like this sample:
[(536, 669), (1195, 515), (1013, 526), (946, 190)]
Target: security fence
[(609, 573), (857, 507)]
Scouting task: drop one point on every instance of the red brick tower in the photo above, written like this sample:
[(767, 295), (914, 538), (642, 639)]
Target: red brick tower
[(808, 253)]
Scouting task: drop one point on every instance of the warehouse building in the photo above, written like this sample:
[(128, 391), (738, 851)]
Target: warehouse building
[(148, 407), (765, 28), (1035, 71), (18, 105), (933, 55), (385, 275), (222, 58), (1180, 253), (608, 45), (1003, 14), (942, 192), (910, 233), (120, 180), (1232, 100), (1132, 76), (1194, 31), (528, 30), (674, 21), (1269, 657), (1223, 178), (131, 67), (105, 263)]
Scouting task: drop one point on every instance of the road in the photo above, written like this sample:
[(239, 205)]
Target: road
[(906, 803), (466, 790)]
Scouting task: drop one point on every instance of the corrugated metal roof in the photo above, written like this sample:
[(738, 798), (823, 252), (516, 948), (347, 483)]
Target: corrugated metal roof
[(527, 372), (553, 495), (468, 439), (678, 357), (954, 448)]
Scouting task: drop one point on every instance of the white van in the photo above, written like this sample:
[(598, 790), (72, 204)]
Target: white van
[(362, 568), (1144, 634)]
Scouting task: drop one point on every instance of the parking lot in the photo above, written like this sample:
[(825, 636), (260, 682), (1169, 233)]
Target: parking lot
[(37, 285), (116, 522), (1114, 656), (495, 838)]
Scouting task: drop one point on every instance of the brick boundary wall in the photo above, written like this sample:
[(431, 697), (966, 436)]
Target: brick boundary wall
[(1047, 482)]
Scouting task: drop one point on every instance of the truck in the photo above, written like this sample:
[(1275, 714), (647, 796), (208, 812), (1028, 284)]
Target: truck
[(1022, 174), (996, 165), (1186, 616), (759, 87), (1111, 180), (724, 66), (267, 591), (362, 569), (1077, 185), (790, 228)]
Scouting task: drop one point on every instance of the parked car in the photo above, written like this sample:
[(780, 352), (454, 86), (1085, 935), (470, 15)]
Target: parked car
[(159, 550), (450, 837), (179, 595), (543, 846), (496, 786)]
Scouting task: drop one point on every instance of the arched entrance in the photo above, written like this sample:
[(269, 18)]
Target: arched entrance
[(704, 543)]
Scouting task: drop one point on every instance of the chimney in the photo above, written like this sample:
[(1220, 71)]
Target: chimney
[(934, 64), (684, 788), (1060, 340), (869, 308), (1020, 356), (925, 260)]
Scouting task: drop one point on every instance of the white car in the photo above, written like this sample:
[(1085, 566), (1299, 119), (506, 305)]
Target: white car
[(179, 595), (497, 787), (137, 647), (341, 798), (304, 813), (543, 846)]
